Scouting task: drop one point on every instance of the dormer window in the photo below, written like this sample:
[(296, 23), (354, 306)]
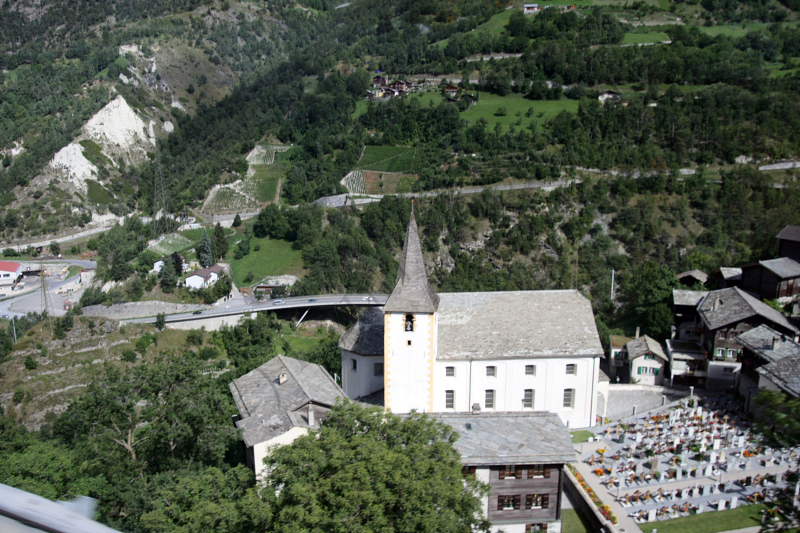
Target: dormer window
[(409, 323)]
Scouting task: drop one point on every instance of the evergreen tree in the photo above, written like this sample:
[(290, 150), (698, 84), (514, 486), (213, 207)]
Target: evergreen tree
[(205, 251), (220, 242), (169, 278), (237, 221)]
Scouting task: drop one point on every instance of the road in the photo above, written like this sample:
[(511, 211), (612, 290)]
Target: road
[(279, 304)]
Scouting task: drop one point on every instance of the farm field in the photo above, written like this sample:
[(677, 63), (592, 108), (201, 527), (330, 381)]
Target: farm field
[(516, 107), (266, 178), (173, 242), (388, 182), (267, 257), (388, 158)]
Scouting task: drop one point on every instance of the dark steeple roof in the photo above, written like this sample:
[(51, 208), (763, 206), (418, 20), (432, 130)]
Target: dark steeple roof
[(412, 293)]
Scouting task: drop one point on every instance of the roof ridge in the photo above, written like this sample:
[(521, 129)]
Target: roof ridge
[(282, 359)]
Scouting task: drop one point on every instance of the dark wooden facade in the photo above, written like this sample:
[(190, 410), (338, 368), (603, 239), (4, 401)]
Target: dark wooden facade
[(789, 248), (767, 284), (524, 488)]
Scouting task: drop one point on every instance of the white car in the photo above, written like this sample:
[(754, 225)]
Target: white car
[(277, 302)]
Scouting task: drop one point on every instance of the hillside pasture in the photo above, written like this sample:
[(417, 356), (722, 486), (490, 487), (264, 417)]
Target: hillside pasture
[(267, 257), (388, 182), (388, 159)]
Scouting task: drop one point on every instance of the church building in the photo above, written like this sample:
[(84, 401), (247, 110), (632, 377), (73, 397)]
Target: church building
[(510, 351)]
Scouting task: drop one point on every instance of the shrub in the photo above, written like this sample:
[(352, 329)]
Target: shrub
[(30, 363)]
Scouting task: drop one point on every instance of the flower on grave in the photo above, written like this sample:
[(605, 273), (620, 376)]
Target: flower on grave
[(601, 451)]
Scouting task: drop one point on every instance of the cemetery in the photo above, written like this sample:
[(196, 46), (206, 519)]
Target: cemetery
[(696, 456)]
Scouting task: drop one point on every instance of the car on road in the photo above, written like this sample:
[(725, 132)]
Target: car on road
[(277, 302), (197, 312), (312, 299), (367, 298)]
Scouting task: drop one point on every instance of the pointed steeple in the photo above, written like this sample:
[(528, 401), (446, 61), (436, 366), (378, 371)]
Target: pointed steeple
[(412, 293)]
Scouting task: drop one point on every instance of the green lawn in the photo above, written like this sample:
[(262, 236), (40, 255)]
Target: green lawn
[(388, 158), (571, 522), (732, 30), (646, 37), (174, 242), (273, 257), (711, 522), (514, 106), (266, 179), (581, 435)]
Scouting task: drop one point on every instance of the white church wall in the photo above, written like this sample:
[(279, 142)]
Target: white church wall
[(360, 380), (409, 363), (470, 383)]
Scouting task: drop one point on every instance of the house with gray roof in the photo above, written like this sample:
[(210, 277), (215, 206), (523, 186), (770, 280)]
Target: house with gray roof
[(684, 311), (460, 351), (789, 242), (647, 360), (770, 360), (280, 401), (726, 314), (521, 457), (772, 278)]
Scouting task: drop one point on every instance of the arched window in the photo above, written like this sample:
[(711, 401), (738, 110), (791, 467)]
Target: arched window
[(409, 322)]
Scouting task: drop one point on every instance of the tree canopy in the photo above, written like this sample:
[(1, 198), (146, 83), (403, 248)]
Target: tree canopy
[(367, 470)]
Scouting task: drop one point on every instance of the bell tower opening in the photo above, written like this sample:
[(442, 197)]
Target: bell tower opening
[(409, 322)]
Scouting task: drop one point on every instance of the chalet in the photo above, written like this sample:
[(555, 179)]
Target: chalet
[(521, 457), (770, 360), (692, 277), (647, 360), (726, 314), (772, 278), (609, 96), (204, 278), (617, 365), (730, 277), (688, 325), (379, 81), (789, 242), (450, 92), (280, 401)]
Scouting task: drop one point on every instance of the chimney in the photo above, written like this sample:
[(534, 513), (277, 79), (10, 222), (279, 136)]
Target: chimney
[(311, 420), (282, 377), (637, 332)]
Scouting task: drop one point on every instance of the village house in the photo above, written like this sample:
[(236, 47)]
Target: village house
[(686, 321), (474, 351), (204, 278), (280, 401), (692, 277), (730, 277), (521, 457), (770, 360), (617, 367), (11, 273), (772, 278), (789, 242), (647, 360)]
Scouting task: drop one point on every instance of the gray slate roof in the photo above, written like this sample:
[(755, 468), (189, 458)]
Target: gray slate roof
[(269, 408), (790, 233), (644, 345), (366, 337), (412, 293), (784, 373), (493, 325), (783, 267), (699, 275), (770, 344), (682, 297), (728, 306), (510, 438), (730, 273)]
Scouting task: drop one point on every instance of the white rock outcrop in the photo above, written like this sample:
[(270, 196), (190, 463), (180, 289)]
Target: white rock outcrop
[(119, 130), (70, 163)]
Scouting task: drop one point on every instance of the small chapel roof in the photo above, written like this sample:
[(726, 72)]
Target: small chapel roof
[(494, 325), (412, 293)]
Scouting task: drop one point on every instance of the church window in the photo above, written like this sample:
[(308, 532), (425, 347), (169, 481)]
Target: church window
[(355, 365), (491, 371), (537, 501), (409, 322), (489, 403), (449, 371), (508, 503), (572, 368), (530, 370), (569, 397), (449, 399), (377, 369), (527, 399)]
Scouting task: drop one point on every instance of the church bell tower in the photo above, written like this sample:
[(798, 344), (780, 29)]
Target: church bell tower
[(410, 333)]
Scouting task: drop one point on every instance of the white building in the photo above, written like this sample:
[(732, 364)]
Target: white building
[(647, 360), (279, 402), (477, 351), (204, 278), (10, 274)]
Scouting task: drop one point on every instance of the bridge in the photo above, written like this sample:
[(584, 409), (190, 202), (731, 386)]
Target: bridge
[(278, 304)]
